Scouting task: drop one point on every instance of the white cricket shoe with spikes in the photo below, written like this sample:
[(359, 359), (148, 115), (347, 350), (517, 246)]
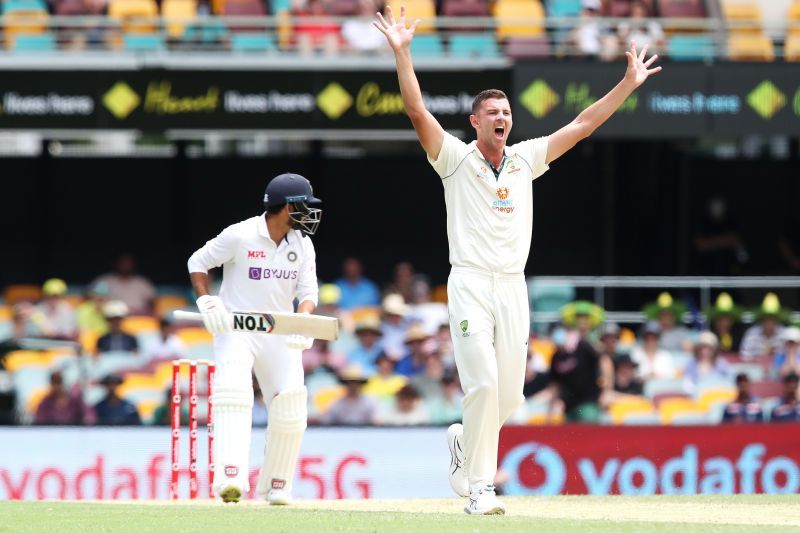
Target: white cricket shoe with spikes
[(484, 501), (457, 474), (279, 497)]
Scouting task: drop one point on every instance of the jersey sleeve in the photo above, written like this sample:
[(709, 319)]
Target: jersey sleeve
[(216, 252), (534, 152), (307, 286), (450, 156)]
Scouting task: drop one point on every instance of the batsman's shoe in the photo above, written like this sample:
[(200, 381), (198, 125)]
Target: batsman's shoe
[(456, 474), (231, 494), (484, 501), (279, 497)]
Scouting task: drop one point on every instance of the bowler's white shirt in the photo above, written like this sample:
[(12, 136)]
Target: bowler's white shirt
[(257, 274), (489, 218)]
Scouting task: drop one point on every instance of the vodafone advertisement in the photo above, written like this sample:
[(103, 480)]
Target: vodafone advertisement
[(600, 460), (133, 463)]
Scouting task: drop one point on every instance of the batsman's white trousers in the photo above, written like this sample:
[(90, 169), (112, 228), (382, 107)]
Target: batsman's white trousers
[(277, 369), (489, 324)]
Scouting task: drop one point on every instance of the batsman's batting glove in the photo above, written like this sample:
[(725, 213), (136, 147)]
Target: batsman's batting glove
[(299, 342), (216, 318)]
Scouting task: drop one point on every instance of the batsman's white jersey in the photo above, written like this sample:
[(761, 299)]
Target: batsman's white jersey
[(489, 220), (258, 275)]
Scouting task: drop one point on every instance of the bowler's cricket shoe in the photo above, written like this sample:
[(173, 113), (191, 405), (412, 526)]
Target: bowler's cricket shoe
[(279, 497), (231, 494), (457, 475), (484, 501)]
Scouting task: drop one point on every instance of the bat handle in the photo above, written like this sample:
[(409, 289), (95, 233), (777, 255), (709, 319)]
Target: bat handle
[(187, 315)]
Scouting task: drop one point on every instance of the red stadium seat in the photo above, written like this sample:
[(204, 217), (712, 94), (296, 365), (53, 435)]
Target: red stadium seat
[(528, 48), (681, 8), (344, 8), (244, 8), (766, 389), (622, 8), (465, 8)]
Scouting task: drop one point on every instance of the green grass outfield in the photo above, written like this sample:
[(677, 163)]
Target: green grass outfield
[(564, 513)]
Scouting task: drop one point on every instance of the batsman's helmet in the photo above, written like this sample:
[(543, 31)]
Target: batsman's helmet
[(295, 190)]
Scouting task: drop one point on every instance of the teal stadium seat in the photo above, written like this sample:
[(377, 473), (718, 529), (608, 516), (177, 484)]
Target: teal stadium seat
[(276, 6), (690, 48), (140, 42), (253, 42), (466, 45), (564, 8), (43, 42), (10, 6), (427, 46)]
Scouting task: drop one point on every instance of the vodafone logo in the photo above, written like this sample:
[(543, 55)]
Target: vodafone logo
[(534, 463)]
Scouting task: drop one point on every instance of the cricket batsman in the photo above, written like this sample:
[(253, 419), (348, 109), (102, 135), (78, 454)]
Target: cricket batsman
[(268, 261), (488, 195)]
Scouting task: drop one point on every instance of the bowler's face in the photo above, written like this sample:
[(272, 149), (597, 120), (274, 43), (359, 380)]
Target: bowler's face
[(493, 122)]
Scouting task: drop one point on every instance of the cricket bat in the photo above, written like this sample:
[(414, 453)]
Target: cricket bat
[(318, 327)]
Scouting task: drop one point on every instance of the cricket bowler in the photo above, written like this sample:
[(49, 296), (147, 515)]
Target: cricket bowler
[(268, 261), (488, 195)]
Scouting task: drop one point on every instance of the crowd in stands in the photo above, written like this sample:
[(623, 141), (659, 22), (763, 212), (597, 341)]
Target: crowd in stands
[(393, 363), (517, 28)]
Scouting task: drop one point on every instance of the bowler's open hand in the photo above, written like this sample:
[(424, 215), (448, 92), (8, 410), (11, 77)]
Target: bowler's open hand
[(396, 32), (639, 69)]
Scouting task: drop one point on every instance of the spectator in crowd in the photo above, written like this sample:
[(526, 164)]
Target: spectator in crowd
[(584, 317), (724, 320), (447, 408), (394, 326), (322, 355), (625, 379), (653, 361), (59, 406), (706, 364), (589, 38), (353, 409), (21, 328), (368, 331), (113, 410), (407, 409), (669, 315), (162, 415), (573, 377), (358, 32), (429, 314), (608, 348), (429, 382), (787, 362), (720, 249), (126, 285), (90, 312), (356, 290), (444, 346), (403, 282), (640, 30), (116, 340), (414, 361), (259, 407), (54, 317), (167, 345), (745, 408), (765, 338), (385, 382), (536, 373), (316, 31), (789, 408), (8, 398)]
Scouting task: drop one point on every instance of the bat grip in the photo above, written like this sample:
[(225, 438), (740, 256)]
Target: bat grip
[(187, 315)]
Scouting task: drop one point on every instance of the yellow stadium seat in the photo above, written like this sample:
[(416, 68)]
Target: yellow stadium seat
[(417, 9), (711, 397), (170, 302), (218, 6), (138, 381), (74, 300), (35, 398), (620, 409), (28, 21), (183, 11), (5, 313), (22, 293), (146, 409), (134, 325), (439, 294), (750, 47), (545, 348), (544, 419), (128, 11), (27, 358), (794, 18), (671, 407), (324, 398), (88, 340), (509, 12), (360, 314), (193, 336), (746, 14), (791, 48)]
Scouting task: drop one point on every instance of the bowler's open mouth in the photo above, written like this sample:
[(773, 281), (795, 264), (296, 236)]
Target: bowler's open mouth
[(499, 131)]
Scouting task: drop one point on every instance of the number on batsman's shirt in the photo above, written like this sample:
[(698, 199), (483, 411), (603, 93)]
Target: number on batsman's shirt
[(490, 217), (257, 274)]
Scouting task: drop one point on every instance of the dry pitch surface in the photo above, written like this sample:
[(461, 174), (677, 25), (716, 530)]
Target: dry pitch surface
[(566, 513)]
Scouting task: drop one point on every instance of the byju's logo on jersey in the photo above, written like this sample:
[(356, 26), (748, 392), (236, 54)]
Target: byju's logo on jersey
[(464, 325), (255, 273), (271, 273)]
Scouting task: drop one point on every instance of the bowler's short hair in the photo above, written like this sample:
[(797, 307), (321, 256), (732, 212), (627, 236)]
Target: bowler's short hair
[(486, 95)]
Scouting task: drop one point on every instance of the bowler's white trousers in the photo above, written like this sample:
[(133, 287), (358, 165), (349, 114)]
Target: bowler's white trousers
[(489, 324)]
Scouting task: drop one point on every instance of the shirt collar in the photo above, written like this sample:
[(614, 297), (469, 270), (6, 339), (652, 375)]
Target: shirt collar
[(264, 232), (495, 171)]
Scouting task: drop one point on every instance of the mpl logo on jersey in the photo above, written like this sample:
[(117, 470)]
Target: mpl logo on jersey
[(256, 254), (650, 460)]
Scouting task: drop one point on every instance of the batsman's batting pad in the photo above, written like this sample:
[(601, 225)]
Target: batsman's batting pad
[(233, 412), (287, 423)]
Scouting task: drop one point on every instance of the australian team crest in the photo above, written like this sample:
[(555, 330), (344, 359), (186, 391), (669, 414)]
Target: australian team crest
[(464, 325)]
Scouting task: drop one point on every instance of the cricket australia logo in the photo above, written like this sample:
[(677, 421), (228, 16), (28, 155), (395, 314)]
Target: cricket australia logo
[(464, 325), (502, 193)]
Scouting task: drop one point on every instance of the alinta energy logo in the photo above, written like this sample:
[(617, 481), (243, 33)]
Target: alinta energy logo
[(766, 99), (334, 100), (539, 98), (121, 100)]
